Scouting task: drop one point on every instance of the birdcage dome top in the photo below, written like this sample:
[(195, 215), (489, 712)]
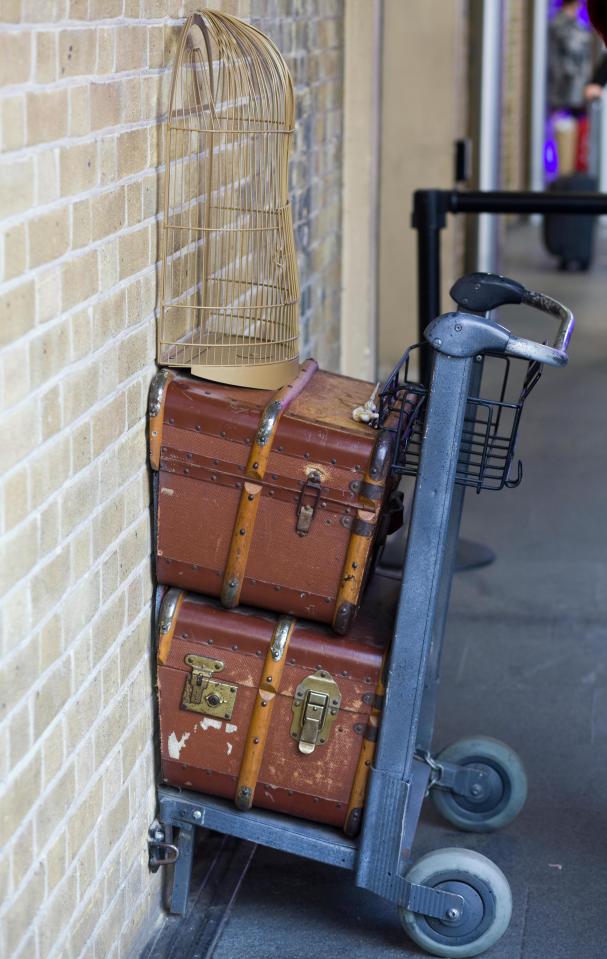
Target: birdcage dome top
[(230, 76)]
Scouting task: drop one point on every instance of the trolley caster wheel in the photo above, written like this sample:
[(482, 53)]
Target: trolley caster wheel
[(487, 903), (506, 789)]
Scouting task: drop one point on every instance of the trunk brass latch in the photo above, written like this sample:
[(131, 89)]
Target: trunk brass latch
[(201, 694), (315, 707), (305, 511)]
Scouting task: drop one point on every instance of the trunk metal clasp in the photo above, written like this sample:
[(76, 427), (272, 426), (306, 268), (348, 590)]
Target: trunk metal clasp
[(306, 511), (315, 707), (201, 694)]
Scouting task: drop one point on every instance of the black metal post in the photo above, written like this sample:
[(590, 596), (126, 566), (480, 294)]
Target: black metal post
[(429, 218), (524, 202), (430, 208)]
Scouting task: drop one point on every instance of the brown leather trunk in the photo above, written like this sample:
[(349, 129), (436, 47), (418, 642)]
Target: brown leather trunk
[(272, 500), (229, 731)]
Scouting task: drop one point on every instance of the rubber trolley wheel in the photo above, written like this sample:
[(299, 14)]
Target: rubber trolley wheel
[(487, 903), (506, 790)]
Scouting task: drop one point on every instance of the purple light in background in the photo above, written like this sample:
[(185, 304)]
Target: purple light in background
[(555, 6), (551, 159)]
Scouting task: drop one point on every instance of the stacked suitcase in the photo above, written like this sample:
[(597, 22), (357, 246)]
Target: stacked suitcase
[(269, 509)]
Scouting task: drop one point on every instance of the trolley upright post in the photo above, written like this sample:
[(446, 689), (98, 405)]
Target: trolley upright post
[(456, 338), (381, 847)]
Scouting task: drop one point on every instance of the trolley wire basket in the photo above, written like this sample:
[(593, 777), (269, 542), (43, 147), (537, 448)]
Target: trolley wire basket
[(490, 425)]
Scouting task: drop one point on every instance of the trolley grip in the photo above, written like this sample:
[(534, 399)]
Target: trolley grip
[(483, 292), (554, 355)]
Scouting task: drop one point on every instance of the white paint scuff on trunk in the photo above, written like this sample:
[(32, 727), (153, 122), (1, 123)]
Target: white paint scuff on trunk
[(210, 724), (176, 745)]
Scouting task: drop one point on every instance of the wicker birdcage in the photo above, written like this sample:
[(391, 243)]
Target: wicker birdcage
[(229, 297)]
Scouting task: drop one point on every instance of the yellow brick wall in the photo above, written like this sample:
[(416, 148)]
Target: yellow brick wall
[(83, 85)]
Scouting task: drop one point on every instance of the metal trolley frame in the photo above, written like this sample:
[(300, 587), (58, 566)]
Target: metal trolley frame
[(403, 768)]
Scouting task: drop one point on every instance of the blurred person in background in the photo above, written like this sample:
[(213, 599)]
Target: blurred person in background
[(569, 59), (594, 89)]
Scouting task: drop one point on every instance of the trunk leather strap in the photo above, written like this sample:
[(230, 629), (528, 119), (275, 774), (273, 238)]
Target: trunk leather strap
[(354, 569), (257, 464), (361, 776), (259, 724), (372, 492)]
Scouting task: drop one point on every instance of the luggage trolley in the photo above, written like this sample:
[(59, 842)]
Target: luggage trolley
[(452, 902)]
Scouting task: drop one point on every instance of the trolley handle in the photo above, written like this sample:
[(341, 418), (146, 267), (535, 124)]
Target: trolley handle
[(555, 355), (483, 292)]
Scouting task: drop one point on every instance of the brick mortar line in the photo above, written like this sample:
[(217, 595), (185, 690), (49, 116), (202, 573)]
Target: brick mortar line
[(74, 425), (92, 301), (80, 528), (34, 149), (140, 936), (62, 434), (96, 464), (31, 85), (38, 149), (80, 366), (61, 202), (89, 303), (142, 566), (40, 858), (107, 454), (153, 890), (80, 909), (94, 246), (143, 614), (54, 554), (67, 201), (107, 79), (15, 219), (55, 26), (60, 824), (71, 255)]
